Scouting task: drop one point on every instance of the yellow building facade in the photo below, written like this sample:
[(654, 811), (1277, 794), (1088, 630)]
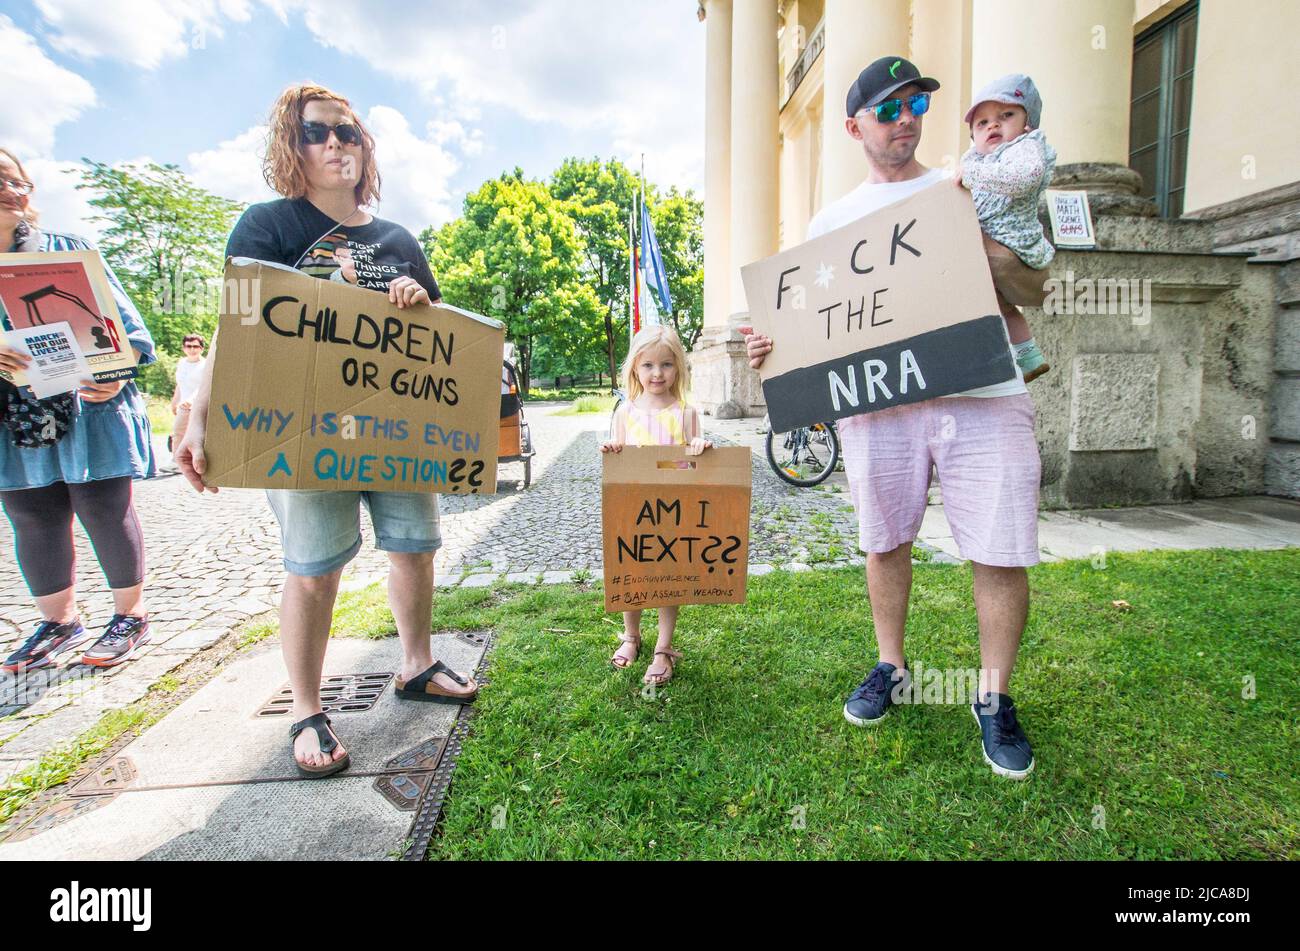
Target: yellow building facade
[(1192, 95)]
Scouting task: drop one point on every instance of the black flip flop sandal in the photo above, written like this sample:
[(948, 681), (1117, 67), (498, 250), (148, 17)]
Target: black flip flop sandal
[(328, 744), (414, 689)]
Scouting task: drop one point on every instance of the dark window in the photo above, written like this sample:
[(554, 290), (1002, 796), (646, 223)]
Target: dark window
[(1160, 109)]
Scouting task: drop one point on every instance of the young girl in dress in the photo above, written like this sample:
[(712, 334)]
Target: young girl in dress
[(655, 377)]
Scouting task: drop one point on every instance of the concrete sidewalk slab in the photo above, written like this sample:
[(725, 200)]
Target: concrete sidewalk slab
[(1255, 522), (213, 780)]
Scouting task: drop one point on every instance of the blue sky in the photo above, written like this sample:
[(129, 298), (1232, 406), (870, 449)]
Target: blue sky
[(455, 91)]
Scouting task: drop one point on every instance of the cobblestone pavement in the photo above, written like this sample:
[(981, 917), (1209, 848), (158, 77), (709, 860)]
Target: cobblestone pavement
[(214, 562)]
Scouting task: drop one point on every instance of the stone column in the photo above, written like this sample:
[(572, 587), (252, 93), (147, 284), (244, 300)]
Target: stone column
[(941, 42), (1080, 54), (742, 164), (717, 163), (857, 32), (755, 151)]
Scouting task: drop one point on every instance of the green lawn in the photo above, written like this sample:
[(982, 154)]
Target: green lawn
[(1137, 718), (160, 415), (588, 404)]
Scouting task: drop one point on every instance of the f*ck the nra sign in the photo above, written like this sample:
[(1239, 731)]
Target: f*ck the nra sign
[(897, 307)]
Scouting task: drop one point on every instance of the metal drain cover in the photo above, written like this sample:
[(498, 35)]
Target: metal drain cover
[(474, 638), (60, 812), (342, 693), (114, 776), (404, 789)]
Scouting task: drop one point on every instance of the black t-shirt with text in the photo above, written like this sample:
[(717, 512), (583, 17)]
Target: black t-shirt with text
[(293, 231)]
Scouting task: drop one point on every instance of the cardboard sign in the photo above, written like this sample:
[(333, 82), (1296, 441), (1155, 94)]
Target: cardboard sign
[(39, 289), (1071, 219), (322, 385), (897, 307), (676, 526)]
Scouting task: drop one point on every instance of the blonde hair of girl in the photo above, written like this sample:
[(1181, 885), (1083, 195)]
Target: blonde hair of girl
[(656, 335)]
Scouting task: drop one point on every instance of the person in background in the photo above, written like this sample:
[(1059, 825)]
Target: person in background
[(321, 158), (72, 454), (189, 374)]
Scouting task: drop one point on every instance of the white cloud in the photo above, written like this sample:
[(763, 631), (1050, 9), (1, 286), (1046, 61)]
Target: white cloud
[(631, 72), (468, 142), (415, 170), (62, 206), (634, 71), (234, 168), (39, 94), (143, 33)]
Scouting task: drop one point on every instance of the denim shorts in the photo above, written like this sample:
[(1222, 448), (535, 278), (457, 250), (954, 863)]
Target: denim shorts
[(321, 531)]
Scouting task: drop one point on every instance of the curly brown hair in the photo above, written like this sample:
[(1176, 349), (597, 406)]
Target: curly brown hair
[(283, 166), (30, 215)]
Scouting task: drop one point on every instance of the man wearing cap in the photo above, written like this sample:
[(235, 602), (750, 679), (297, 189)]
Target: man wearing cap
[(981, 442)]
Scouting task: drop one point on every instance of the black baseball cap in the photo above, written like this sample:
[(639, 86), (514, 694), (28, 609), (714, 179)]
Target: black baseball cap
[(875, 83)]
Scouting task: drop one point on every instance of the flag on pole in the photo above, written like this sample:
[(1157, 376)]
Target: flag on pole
[(646, 301), (636, 291), (653, 263)]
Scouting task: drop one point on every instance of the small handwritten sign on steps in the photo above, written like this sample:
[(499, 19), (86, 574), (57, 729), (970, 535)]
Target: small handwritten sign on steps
[(1071, 219)]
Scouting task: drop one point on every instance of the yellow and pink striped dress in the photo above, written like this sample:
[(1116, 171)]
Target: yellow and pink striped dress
[(665, 427)]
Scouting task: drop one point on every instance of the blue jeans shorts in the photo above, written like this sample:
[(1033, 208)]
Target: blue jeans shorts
[(321, 531)]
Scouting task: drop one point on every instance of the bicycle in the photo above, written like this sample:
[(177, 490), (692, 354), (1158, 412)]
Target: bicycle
[(806, 456)]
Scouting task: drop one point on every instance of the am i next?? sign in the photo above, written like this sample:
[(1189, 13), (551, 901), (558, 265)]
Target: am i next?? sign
[(897, 307), (321, 385)]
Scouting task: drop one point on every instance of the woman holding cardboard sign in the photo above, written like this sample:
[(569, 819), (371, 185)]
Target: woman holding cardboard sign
[(322, 160), (73, 453)]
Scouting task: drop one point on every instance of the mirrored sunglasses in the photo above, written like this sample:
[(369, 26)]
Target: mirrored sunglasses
[(890, 109)]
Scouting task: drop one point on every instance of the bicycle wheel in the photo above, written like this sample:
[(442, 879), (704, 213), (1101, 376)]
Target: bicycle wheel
[(804, 457)]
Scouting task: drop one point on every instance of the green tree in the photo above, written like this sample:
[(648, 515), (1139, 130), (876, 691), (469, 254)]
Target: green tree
[(598, 196), (516, 255), (165, 239), (679, 226)]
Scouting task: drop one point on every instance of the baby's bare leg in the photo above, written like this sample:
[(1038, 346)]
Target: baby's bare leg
[(1017, 326)]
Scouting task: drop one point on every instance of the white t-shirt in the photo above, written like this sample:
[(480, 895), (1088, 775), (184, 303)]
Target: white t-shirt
[(188, 376), (869, 197)]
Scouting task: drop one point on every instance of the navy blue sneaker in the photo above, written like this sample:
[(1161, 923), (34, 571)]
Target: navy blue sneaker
[(884, 686), (44, 647), (1006, 747)]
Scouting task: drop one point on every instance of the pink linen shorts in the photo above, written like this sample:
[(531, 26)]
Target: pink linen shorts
[(986, 457)]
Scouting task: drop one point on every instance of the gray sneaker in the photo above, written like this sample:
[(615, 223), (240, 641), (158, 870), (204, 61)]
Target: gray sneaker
[(124, 634)]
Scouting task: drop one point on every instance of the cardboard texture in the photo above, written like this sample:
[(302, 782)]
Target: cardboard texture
[(897, 307), (56, 286), (322, 385), (675, 535)]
